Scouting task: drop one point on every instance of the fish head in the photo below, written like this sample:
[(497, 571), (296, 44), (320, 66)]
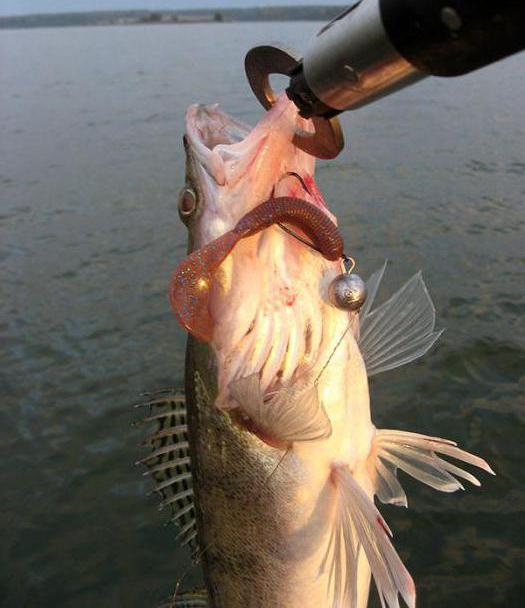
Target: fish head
[(231, 168), (201, 206), (266, 308)]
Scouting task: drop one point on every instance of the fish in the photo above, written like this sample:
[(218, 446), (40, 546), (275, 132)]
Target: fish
[(269, 459)]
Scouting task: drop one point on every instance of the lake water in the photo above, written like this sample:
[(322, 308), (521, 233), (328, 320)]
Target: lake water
[(91, 162)]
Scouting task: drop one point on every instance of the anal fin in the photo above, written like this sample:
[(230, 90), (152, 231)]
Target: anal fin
[(359, 526), (169, 463)]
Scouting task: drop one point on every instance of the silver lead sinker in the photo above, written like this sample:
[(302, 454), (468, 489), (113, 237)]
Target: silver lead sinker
[(377, 47)]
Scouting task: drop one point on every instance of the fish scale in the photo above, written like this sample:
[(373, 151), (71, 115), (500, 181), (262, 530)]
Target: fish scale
[(239, 532)]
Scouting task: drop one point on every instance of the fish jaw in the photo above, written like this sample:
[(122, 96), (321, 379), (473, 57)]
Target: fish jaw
[(237, 167)]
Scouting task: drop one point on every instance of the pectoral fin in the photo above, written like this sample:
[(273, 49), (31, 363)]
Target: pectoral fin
[(401, 329), (291, 414)]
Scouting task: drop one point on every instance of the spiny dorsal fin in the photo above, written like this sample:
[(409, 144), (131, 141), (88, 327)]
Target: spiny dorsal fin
[(401, 329), (417, 455), (169, 461)]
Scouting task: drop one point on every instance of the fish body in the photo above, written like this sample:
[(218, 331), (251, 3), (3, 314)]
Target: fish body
[(285, 458), (262, 521)]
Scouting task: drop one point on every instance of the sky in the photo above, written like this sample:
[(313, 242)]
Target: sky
[(25, 7)]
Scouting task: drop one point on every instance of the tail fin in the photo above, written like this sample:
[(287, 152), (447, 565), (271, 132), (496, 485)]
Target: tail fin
[(359, 525), (417, 455)]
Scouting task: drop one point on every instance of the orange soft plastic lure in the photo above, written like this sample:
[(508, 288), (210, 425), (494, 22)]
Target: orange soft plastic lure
[(191, 282)]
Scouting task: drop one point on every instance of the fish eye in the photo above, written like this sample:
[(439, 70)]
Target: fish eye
[(187, 202)]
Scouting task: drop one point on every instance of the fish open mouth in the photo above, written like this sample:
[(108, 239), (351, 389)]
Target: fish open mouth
[(207, 127), (241, 167)]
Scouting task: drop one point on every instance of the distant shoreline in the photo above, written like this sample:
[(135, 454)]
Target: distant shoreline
[(166, 17)]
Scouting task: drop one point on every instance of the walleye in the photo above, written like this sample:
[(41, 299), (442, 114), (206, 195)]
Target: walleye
[(270, 461)]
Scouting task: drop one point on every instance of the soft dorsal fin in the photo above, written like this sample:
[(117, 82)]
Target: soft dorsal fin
[(401, 329), (291, 414), (169, 463)]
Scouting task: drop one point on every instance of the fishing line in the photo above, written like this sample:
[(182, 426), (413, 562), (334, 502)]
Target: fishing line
[(316, 381), (286, 452), (195, 562), (201, 552), (349, 264)]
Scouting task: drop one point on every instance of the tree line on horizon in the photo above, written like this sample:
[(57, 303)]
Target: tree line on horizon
[(268, 13)]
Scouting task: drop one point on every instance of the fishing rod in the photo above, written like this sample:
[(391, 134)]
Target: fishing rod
[(377, 47)]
